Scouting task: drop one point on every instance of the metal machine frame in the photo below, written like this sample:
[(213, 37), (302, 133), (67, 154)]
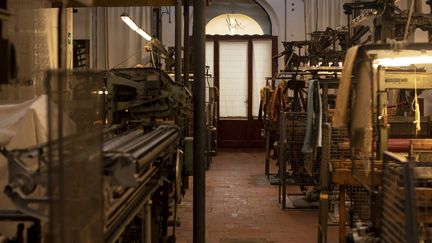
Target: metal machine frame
[(330, 81), (353, 173), (385, 80), (140, 156)]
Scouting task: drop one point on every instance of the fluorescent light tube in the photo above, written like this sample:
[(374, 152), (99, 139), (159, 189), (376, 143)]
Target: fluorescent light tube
[(403, 61), (129, 22), (135, 27), (144, 34)]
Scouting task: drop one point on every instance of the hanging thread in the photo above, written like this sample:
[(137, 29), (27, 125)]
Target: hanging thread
[(415, 105)]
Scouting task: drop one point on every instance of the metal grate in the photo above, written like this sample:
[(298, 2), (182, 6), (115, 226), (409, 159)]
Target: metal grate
[(302, 170), (406, 200), (359, 205), (335, 157), (76, 116), (326, 193)]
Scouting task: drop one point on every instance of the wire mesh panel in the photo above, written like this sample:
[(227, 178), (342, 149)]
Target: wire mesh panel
[(302, 169), (326, 156), (359, 202), (340, 192), (76, 115), (406, 200), (325, 191), (357, 197)]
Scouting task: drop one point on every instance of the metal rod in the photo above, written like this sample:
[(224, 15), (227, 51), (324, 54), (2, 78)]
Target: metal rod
[(15, 215), (282, 160), (199, 121), (156, 151), (186, 44), (116, 208), (410, 208), (342, 213), (147, 223), (131, 208), (152, 144), (178, 31)]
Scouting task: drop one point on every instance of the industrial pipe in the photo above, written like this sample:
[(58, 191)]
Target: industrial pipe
[(199, 121), (147, 223), (178, 27), (186, 45)]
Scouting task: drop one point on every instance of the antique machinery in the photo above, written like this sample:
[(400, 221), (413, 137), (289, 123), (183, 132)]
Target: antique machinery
[(299, 152), (141, 96), (284, 107), (346, 177), (390, 21), (325, 48), (283, 93), (108, 163), (365, 127), (149, 98), (138, 153)]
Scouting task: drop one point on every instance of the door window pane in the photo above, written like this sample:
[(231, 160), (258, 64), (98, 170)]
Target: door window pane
[(262, 68), (233, 78)]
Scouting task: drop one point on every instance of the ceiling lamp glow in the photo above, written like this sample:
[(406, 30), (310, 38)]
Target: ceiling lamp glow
[(135, 27), (403, 61)]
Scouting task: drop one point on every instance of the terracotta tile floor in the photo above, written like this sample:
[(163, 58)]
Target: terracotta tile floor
[(242, 207)]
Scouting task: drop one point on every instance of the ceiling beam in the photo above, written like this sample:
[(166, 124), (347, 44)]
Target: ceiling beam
[(125, 3)]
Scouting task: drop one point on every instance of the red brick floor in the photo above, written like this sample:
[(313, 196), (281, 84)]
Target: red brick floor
[(242, 205)]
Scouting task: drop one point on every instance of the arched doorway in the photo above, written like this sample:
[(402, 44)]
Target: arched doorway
[(233, 24), (242, 7), (239, 51)]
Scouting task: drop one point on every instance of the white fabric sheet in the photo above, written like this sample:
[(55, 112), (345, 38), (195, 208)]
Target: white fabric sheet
[(23, 125)]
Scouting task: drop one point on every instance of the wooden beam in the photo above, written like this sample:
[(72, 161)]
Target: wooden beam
[(126, 3), (345, 177)]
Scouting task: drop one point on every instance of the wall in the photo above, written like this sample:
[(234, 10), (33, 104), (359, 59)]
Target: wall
[(168, 25), (82, 21), (294, 29)]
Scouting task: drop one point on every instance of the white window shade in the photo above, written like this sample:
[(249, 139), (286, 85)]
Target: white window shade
[(262, 68), (233, 79)]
